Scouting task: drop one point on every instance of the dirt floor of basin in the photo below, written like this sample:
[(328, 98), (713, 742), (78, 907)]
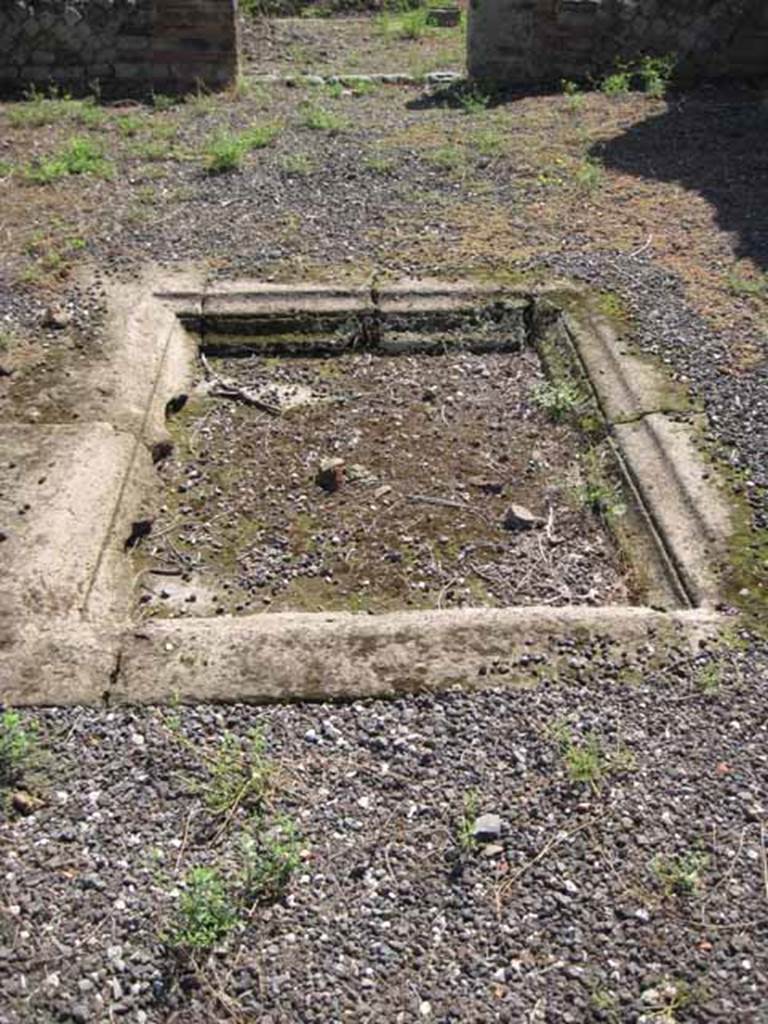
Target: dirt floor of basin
[(389, 487)]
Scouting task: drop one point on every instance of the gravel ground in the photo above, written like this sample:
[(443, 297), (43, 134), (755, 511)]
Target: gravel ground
[(638, 894), (433, 452), (354, 45)]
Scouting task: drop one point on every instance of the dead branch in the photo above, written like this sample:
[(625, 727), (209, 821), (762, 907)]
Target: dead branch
[(226, 389)]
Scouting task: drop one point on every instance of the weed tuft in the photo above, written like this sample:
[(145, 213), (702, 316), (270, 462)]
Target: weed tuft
[(465, 836), (78, 156), (408, 25), (319, 119), (590, 175), (54, 107), (239, 775), (681, 876), (447, 158), (596, 491), (655, 74), (268, 858), (17, 747), (297, 165), (618, 83), (558, 399), (587, 760), (226, 150), (205, 913)]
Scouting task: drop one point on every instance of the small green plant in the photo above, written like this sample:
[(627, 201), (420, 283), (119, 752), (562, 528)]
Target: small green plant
[(298, 164), (380, 163), (590, 174), (666, 998), (227, 150), (204, 914), (6, 168), (223, 153), (448, 157), (572, 93), (17, 746), (201, 102), (465, 837), (612, 305), (655, 74), (79, 156), (335, 90), (607, 1002), (161, 102), (37, 110), (617, 84), (597, 491), (473, 100), (154, 150), (558, 399), (40, 108), (239, 775), (585, 761), (708, 677), (404, 24), (244, 88), (753, 288), (88, 114), (319, 119), (681, 876), (129, 125), (489, 142), (362, 86), (413, 24), (268, 858)]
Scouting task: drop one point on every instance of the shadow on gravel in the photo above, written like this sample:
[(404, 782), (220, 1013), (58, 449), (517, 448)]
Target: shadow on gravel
[(474, 96), (714, 142)]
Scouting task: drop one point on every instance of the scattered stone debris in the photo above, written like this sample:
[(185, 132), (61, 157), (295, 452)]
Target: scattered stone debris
[(57, 318), (330, 475), (487, 828), (24, 802), (518, 517)]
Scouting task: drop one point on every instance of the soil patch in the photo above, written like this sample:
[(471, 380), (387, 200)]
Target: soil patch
[(354, 45), (389, 485)]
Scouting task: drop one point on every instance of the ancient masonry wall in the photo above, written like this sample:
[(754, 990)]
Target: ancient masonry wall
[(120, 48), (542, 41)]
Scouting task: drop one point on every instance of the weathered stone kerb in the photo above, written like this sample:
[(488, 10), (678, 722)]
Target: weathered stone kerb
[(117, 48)]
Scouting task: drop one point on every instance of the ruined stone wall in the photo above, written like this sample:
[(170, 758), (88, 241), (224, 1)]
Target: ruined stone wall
[(541, 41), (121, 48)]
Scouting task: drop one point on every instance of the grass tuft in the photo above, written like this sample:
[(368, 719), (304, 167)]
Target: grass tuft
[(226, 150), (17, 747), (319, 119), (205, 913), (79, 156)]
